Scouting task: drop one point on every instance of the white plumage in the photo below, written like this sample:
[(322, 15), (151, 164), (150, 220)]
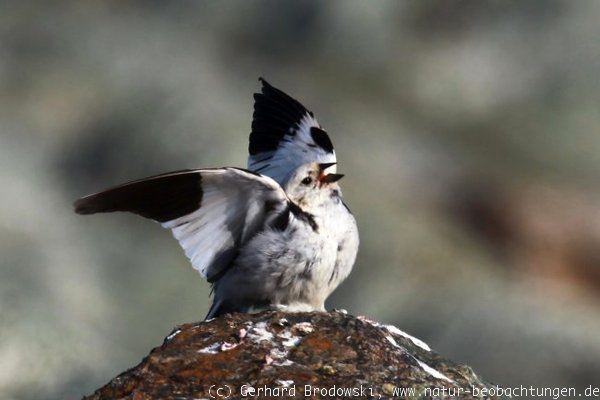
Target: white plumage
[(232, 210)]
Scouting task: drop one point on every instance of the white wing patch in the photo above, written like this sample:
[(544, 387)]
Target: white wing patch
[(232, 209), (205, 232)]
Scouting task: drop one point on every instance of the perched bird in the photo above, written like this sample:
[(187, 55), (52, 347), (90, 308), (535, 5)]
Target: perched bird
[(276, 235)]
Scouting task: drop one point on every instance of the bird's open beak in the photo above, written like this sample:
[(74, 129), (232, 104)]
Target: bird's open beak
[(330, 178), (324, 166)]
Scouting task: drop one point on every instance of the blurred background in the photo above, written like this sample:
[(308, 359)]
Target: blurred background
[(468, 132)]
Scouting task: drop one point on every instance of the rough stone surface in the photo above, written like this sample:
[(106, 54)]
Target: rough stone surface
[(278, 354)]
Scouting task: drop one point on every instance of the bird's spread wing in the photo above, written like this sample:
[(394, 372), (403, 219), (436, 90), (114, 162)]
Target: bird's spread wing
[(211, 212), (284, 136)]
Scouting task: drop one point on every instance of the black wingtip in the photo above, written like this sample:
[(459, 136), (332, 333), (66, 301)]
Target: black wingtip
[(90, 204), (83, 207), (161, 197), (265, 85), (275, 114)]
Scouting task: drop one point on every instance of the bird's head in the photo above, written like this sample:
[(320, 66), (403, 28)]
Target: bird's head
[(312, 184)]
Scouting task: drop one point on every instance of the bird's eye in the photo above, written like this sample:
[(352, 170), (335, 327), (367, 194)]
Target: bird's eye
[(307, 180)]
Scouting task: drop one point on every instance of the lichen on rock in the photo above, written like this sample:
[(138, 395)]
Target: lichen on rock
[(292, 355)]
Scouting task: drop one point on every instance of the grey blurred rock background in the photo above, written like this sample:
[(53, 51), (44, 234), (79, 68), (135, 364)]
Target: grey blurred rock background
[(468, 131)]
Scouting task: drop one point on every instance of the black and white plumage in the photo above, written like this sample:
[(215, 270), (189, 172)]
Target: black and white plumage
[(211, 212), (285, 135), (276, 236)]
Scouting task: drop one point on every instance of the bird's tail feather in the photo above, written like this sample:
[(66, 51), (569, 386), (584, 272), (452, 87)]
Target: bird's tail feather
[(221, 307), (224, 306)]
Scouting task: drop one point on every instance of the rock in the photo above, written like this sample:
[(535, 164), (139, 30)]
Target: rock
[(301, 355)]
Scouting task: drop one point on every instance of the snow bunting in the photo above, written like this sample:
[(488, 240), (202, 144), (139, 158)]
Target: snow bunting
[(275, 235)]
